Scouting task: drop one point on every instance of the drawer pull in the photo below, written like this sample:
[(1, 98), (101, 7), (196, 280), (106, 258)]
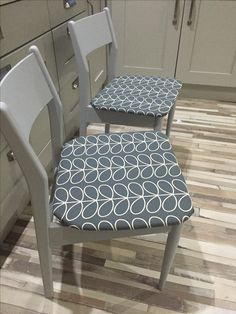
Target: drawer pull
[(175, 17), (69, 60), (10, 156), (69, 3), (91, 7), (98, 76), (75, 83), (189, 22)]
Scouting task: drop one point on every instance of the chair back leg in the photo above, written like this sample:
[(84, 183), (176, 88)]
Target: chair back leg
[(171, 246), (107, 128), (158, 124), (170, 120)]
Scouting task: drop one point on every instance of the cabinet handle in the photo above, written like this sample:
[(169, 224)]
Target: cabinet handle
[(91, 7), (75, 83), (10, 156), (189, 22), (175, 17), (69, 3)]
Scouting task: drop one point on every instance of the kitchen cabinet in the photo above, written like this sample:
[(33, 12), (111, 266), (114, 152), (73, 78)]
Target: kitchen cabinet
[(207, 53), (200, 49), (147, 36)]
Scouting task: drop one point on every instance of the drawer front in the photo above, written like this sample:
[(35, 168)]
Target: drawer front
[(10, 173), (45, 45), (22, 21), (39, 139), (59, 12), (69, 94), (64, 57)]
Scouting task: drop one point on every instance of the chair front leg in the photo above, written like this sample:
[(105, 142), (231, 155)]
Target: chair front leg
[(45, 253), (171, 246)]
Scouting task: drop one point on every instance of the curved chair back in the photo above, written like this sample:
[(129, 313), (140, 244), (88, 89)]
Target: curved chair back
[(87, 35)]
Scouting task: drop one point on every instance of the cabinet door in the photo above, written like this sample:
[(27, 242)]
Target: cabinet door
[(147, 38), (207, 52)]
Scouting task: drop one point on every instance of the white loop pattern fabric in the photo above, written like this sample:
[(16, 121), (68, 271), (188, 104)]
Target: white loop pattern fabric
[(120, 181), (152, 96)]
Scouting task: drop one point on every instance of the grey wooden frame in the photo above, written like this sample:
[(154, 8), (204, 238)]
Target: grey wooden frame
[(88, 34), (25, 91)]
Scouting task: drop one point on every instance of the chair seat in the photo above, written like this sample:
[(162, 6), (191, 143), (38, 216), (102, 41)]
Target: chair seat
[(152, 96), (119, 182)]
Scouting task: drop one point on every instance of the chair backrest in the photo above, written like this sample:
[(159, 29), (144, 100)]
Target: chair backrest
[(25, 90), (87, 35)]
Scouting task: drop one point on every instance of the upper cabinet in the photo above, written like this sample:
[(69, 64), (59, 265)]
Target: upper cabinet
[(207, 53), (148, 35), (193, 40)]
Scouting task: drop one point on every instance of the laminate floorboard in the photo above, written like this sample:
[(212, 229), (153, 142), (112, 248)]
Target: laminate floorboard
[(120, 276)]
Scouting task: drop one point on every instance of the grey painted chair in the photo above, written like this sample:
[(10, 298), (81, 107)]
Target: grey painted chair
[(126, 100), (105, 186)]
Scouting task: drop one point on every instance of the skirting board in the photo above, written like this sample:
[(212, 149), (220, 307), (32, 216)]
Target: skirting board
[(209, 92)]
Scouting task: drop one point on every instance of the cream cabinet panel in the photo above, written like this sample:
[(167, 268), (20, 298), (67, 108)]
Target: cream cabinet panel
[(45, 45), (22, 21), (207, 53), (60, 12), (147, 38)]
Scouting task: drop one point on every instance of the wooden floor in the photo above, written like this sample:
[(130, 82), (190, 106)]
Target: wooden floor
[(120, 276)]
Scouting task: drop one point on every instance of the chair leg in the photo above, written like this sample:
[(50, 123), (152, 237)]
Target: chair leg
[(170, 120), (107, 128), (158, 124), (45, 257), (171, 246), (83, 129)]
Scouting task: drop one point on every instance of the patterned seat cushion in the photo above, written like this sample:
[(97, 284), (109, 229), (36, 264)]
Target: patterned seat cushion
[(120, 181), (152, 96)]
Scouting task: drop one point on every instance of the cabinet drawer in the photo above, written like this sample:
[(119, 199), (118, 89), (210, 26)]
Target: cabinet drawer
[(22, 21), (10, 173), (45, 45), (58, 12), (66, 66), (39, 138), (69, 93), (64, 57)]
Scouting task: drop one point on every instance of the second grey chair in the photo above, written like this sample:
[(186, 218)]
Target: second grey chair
[(126, 100), (105, 186)]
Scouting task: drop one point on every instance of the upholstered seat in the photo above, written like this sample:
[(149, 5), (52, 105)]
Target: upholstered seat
[(119, 182), (151, 96)]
